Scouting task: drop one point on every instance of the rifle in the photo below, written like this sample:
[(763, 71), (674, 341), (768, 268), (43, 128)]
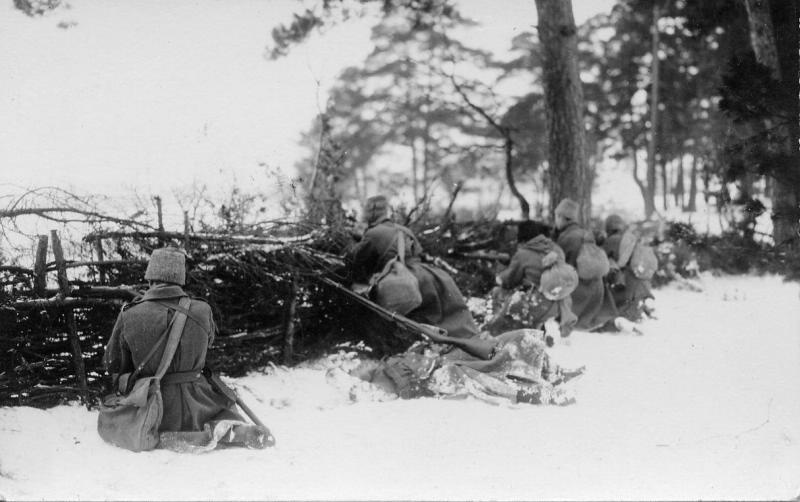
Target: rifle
[(424, 330), (439, 262), (485, 255), (231, 394)]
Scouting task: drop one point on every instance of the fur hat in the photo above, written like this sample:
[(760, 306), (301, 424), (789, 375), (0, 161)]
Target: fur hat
[(615, 223), (167, 265), (376, 208), (568, 209)]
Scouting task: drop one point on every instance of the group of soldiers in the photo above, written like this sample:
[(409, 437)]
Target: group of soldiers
[(552, 285)]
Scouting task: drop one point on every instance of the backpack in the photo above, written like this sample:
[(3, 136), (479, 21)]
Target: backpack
[(626, 245), (592, 262), (558, 281), (644, 262), (395, 288)]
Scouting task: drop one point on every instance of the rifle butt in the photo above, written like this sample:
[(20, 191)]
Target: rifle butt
[(231, 394)]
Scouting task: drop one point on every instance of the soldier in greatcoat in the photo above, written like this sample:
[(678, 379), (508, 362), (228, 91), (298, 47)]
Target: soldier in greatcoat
[(192, 407), (632, 295), (591, 301), (520, 299), (442, 302)]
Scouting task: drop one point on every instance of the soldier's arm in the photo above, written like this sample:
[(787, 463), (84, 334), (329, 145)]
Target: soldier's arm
[(112, 358), (361, 260), (117, 358), (512, 275)]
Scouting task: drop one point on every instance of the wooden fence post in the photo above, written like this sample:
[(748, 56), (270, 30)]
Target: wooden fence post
[(186, 231), (40, 267), (98, 247), (157, 198), (289, 328), (72, 329)]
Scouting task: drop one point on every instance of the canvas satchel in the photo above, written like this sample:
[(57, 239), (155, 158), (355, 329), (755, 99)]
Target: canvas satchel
[(395, 288), (644, 262), (130, 419), (558, 281), (592, 262)]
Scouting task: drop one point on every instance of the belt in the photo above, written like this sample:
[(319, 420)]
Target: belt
[(181, 377)]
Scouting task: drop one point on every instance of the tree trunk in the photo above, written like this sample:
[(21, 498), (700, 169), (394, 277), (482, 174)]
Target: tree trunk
[(774, 37), (414, 164), (762, 35), (524, 207), (679, 190), (654, 84), (664, 185), (706, 185), (426, 140), (691, 207), (648, 192), (357, 179), (563, 104)]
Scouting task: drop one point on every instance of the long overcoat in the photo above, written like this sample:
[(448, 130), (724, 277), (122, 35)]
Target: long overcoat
[(524, 271), (442, 302), (592, 301), (632, 291), (526, 267), (187, 405)]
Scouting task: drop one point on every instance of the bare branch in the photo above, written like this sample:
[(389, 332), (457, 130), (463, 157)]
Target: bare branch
[(232, 238)]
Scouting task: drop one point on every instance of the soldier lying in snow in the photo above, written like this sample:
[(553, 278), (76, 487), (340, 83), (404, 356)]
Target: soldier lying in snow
[(512, 367)]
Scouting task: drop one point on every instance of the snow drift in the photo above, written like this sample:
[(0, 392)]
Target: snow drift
[(704, 406)]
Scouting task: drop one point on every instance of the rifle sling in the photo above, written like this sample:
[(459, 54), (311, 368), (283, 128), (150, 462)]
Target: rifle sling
[(165, 336), (174, 338), (182, 310)]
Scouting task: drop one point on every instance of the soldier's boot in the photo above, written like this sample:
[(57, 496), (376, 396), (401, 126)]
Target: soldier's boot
[(649, 308), (532, 396), (626, 326), (252, 436), (565, 375)]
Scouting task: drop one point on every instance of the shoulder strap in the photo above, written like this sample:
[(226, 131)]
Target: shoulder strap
[(401, 247), (179, 321), (150, 354), (186, 311)]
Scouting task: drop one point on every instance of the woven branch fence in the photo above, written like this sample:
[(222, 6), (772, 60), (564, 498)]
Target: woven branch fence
[(55, 318)]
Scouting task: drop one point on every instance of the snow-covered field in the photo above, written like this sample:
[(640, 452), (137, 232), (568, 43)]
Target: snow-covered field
[(706, 405)]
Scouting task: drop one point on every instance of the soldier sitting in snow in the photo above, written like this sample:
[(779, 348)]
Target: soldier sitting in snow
[(535, 287), (512, 367), (196, 416), (631, 292)]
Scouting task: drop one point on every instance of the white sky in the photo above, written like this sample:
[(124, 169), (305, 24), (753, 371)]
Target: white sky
[(151, 96)]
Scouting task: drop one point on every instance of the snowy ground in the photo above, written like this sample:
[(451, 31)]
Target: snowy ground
[(705, 406)]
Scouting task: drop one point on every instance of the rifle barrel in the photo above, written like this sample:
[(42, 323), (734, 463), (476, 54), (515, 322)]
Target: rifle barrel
[(246, 409), (390, 316)]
